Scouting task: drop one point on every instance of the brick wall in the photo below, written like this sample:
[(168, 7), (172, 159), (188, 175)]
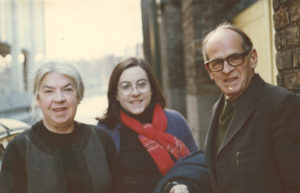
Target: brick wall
[(287, 42), (172, 55), (198, 18), (201, 92), (183, 25)]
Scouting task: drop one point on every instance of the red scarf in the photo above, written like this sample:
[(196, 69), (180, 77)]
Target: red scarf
[(156, 141)]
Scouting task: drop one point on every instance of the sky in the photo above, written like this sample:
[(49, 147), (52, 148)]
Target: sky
[(91, 28)]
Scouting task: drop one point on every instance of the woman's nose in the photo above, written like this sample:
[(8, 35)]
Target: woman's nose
[(135, 91), (59, 96)]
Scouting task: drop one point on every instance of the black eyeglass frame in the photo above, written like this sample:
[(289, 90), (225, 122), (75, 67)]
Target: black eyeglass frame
[(243, 54)]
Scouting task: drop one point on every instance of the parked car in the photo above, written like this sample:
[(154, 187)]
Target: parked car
[(9, 128)]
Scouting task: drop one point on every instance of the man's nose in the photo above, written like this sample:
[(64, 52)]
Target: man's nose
[(227, 68)]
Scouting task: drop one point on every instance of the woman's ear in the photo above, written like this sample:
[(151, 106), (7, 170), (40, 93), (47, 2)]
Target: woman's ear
[(37, 100)]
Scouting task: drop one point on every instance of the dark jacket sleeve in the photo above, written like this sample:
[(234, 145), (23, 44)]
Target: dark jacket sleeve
[(286, 140), (191, 171), (111, 154), (13, 175)]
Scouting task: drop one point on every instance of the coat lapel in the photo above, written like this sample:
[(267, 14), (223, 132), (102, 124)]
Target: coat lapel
[(240, 117), (243, 109), (210, 145)]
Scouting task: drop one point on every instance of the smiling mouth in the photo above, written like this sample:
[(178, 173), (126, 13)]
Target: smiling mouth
[(136, 102), (59, 109), (230, 80)]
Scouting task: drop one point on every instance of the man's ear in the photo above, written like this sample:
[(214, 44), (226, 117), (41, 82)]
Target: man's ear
[(253, 58)]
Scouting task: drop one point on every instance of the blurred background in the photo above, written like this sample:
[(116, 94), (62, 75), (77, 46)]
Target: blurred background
[(96, 34), (93, 34)]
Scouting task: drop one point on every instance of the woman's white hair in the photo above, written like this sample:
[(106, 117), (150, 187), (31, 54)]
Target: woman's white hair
[(66, 68)]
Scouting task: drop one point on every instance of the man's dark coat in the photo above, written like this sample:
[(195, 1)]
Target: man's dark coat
[(260, 152)]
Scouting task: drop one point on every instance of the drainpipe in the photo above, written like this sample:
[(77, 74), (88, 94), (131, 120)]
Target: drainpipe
[(156, 52)]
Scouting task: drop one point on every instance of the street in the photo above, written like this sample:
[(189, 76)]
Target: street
[(91, 107)]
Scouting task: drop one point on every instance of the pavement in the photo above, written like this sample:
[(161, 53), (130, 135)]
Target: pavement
[(91, 106)]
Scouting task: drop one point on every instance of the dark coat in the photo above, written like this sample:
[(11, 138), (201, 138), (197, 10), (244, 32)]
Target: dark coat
[(38, 160), (190, 170), (177, 126), (260, 152)]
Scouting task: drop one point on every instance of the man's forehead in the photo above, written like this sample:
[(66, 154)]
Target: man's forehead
[(224, 37), (224, 34)]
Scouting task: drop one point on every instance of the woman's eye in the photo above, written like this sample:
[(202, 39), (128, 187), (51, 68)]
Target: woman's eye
[(69, 89), (141, 84), (125, 86), (48, 91)]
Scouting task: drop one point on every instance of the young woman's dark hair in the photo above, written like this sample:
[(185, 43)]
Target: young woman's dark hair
[(111, 117)]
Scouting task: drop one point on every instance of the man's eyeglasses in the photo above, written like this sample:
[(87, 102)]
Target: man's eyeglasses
[(126, 88), (235, 59)]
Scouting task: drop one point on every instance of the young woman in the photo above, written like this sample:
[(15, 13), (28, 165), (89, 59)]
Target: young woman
[(58, 154), (149, 138)]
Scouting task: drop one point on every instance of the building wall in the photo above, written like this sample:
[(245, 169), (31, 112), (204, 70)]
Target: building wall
[(22, 30), (287, 42), (182, 25), (256, 21), (198, 17), (200, 90), (172, 56)]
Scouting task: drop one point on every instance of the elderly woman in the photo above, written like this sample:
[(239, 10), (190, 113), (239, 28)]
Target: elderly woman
[(58, 154), (149, 138)]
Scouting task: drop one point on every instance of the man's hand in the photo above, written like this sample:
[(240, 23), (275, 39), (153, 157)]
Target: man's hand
[(179, 188)]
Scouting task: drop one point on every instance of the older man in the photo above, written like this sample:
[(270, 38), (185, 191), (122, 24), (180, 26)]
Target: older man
[(253, 142), (255, 145)]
